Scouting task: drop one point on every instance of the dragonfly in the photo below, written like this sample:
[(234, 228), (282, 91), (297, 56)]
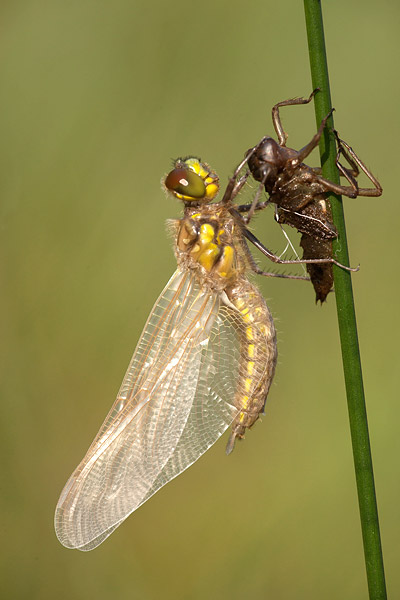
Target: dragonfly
[(205, 361), (300, 193)]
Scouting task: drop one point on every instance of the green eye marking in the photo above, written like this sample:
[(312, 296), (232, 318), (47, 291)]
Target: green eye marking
[(185, 182)]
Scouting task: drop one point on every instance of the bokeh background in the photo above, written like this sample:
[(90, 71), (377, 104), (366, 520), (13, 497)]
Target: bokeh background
[(97, 97)]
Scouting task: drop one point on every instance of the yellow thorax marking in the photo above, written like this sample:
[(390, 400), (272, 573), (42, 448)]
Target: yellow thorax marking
[(225, 265), (205, 238), (208, 256)]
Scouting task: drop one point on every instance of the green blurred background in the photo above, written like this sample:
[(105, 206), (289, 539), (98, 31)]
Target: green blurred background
[(97, 97)]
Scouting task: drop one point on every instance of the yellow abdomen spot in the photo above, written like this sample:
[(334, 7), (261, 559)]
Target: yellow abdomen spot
[(247, 317), (239, 303), (249, 333), (245, 401), (247, 384)]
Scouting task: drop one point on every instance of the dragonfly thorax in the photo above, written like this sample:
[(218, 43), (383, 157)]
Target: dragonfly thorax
[(208, 246)]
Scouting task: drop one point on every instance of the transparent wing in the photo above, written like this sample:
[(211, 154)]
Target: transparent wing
[(176, 400)]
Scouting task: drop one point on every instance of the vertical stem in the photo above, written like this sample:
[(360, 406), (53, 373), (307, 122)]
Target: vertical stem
[(346, 317)]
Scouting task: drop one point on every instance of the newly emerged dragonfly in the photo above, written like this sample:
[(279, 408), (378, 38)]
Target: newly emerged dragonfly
[(300, 192), (205, 360)]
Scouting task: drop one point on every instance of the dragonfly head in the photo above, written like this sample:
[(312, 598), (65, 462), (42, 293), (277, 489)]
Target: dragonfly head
[(192, 181)]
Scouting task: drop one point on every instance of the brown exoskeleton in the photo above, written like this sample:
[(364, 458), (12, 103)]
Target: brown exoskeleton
[(300, 192)]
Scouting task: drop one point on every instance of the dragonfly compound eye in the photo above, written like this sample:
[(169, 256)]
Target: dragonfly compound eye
[(185, 184), (192, 181)]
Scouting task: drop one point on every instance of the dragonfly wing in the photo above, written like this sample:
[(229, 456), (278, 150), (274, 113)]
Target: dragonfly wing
[(212, 410), (174, 402)]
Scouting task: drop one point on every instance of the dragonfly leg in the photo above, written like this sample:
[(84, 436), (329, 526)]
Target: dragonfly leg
[(252, 238), (356, 165), (276, 119)]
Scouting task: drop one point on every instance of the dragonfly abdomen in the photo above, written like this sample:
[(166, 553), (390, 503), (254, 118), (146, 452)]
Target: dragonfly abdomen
[(258, 356)]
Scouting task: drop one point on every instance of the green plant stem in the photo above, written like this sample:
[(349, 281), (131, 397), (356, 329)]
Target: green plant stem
[(346, 317)]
